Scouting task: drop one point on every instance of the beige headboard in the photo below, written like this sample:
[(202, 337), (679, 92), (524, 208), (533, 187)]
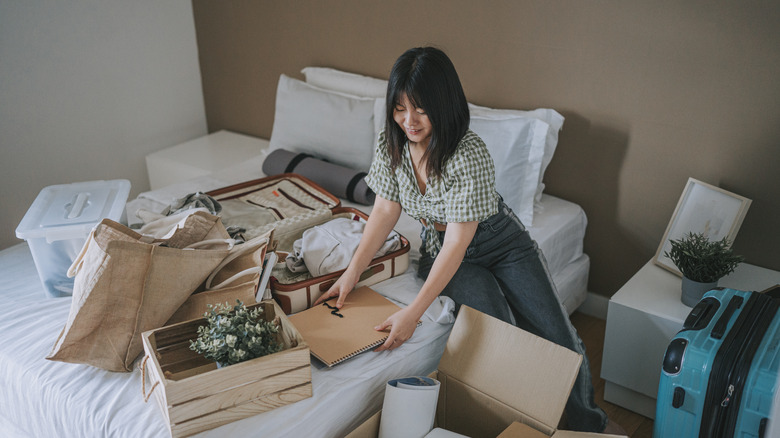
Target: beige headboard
[(652, 94)]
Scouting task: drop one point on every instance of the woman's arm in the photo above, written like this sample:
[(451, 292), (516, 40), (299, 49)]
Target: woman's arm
[(380, 223), (404, 322)]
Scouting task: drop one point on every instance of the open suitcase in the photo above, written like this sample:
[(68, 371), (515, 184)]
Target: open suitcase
[(290, 204), (720, 372)]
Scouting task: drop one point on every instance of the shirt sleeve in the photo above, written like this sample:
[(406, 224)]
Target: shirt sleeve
[(381, 178), (471, 176)]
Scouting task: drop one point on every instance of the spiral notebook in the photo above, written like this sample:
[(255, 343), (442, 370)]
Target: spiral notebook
[(335, 335)]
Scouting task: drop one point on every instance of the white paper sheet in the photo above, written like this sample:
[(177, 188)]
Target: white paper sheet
[(409, 407)]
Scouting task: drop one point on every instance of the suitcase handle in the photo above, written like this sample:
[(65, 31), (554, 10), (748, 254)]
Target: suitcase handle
[(701, 314), (720, 326)]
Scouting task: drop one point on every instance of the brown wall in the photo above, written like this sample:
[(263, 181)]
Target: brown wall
[(653, 92)]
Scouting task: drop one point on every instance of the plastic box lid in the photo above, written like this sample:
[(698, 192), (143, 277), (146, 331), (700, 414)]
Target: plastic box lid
[(69, 211)]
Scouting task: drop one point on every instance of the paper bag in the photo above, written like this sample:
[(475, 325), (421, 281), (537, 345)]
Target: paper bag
[(127, 283), (236, 278)]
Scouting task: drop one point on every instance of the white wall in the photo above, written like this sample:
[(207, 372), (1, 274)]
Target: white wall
[(87, 89)]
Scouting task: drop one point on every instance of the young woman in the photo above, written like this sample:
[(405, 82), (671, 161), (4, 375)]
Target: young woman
[(475, 250)]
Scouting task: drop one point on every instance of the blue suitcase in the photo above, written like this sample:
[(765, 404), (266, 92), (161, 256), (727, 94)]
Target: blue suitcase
[(719, 373)]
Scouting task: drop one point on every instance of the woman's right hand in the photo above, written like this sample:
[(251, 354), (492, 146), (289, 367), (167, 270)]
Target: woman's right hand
[(383, 218), (341, 288)]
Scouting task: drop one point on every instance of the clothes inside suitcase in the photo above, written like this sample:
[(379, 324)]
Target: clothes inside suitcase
[(719, 373), (290, 204)]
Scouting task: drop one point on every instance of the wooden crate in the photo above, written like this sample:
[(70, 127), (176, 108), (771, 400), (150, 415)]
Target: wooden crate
[(194, 395)]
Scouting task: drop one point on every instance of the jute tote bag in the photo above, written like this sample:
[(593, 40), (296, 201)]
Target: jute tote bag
[(127, 283), (236, 278)]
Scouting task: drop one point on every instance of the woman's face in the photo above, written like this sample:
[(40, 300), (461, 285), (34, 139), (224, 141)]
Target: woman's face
[(413, 121)]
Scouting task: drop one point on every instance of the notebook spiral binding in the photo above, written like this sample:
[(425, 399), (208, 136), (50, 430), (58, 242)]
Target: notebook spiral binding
[(366, 348)]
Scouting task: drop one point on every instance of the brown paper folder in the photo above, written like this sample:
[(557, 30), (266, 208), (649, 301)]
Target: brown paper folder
[(332, 338)]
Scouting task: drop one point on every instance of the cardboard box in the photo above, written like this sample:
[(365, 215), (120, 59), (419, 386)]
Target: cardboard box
[(520, 430), (494, 375), (194, 395)]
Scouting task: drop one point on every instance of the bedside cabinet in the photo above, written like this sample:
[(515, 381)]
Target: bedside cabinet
[(642, 317), (200, 157)]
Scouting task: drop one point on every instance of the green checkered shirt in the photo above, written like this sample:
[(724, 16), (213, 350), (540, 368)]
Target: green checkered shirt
[(466, 191)]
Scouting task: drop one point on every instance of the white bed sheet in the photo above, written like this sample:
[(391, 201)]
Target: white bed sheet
[(45, 398)]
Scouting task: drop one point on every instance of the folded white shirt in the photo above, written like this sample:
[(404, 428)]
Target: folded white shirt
[(329, 247)]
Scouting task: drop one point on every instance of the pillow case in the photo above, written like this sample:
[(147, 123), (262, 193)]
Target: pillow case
[(345, 82), (517, 146), (549, 116), (329, 125), (354, 85)]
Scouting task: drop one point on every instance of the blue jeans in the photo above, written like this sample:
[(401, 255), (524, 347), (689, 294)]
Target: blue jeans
[(504, 274)]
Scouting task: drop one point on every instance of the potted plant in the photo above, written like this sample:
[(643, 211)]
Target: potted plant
[(702, 263), (236, 334)]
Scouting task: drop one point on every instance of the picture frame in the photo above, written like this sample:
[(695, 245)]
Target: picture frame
[(702, 208)]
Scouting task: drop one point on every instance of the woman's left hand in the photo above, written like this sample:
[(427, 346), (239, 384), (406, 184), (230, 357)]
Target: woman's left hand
[(402, 326)]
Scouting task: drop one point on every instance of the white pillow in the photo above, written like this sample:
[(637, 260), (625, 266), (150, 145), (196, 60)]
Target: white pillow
[(350, 83), (379, 116), (549, 116), (366, 86), (329, 125), (353, 84), (517, 146)]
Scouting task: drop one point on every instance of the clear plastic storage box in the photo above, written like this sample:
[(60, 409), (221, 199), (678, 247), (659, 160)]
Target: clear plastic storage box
[(59, 222)]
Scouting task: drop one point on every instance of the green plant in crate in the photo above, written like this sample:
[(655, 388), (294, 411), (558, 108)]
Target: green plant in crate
[(236, 334), (703, 260)]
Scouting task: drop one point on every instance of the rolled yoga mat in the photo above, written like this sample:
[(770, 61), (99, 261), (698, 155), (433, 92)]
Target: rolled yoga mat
[(339, 180)]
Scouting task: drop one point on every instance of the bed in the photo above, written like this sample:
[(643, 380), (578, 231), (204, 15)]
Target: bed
[(46, 398)]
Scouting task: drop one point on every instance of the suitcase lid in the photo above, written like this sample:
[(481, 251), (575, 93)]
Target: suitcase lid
[(286, 186), (290, 198)]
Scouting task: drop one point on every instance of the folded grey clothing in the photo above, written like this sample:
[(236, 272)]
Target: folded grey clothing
[(193, 200), (284, 275), (236, 233), (190, 203), (329, 247), (339, 180)]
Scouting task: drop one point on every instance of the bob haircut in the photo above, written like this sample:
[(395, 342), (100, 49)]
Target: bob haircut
[(428, 78)]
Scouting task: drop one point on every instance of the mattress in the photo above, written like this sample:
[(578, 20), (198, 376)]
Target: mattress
[(45, 398)]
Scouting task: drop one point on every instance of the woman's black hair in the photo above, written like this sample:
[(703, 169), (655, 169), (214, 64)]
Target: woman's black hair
[(429, 80)]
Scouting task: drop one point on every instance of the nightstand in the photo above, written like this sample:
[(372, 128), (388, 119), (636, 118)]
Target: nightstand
[(642, 317), (200, 157)]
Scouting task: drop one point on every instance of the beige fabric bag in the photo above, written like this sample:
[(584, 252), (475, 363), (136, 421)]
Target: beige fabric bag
[(127, 283), (236, 278)]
